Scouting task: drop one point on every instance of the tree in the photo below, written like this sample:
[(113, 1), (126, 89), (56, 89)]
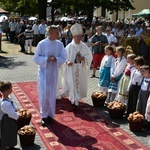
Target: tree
[(42, 4), (88, 6), (118, 5), (33, 7), (23, 7)]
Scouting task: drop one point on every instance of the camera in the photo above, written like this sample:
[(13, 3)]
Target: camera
[(100, 43)]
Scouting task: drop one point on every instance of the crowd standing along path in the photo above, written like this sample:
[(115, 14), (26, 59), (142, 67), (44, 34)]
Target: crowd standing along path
[(19, 67)]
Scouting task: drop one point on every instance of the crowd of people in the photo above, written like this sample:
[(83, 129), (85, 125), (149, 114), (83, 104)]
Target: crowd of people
[(123, 74), (116, 32)]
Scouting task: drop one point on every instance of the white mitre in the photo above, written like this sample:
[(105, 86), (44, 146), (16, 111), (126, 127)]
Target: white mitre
[(76, 29)]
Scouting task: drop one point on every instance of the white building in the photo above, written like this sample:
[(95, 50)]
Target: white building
[(138, 4)]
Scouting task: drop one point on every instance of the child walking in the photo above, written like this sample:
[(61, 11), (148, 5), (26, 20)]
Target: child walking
[(28, 39), (106, 69), (117, 72), (145, 89), (125, 79), (9, 119), (134, 85)]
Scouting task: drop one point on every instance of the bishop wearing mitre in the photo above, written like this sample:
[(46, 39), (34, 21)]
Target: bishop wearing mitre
[(77, 66)]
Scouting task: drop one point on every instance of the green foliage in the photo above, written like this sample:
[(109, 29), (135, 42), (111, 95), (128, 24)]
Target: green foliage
[(26, 7), (30, 7)]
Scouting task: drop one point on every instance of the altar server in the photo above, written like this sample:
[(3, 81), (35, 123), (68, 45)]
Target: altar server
[(49, 55)]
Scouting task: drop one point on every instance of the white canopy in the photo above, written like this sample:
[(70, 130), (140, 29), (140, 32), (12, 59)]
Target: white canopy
[(3, 18), (32, 18)]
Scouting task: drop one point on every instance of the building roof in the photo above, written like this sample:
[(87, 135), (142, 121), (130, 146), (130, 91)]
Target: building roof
[(2, 11)]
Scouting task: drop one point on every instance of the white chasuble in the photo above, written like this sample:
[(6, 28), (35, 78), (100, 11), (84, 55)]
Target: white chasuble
[(76, 76)]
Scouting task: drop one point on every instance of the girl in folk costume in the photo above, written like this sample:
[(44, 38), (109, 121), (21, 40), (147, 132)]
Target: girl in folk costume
[(106, 69), (145, 89), (117, 72), (134, 85), (125, 79), (79, 58), (9, 119)]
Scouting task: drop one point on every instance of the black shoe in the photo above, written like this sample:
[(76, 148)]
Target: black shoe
[(49, 119), (43, 121), (93, 76), (74, 107)]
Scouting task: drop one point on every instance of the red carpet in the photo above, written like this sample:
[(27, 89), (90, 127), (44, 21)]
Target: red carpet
[(83, 129)]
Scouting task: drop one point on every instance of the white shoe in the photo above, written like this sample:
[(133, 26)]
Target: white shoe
[(77, 103)]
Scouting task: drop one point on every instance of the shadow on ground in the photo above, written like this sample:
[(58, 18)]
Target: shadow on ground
[(34, 147), (1, 51), (10, 63)]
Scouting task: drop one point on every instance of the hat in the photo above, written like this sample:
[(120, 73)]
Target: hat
[(76, 29)]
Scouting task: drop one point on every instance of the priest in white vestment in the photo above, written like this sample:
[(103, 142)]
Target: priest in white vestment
[(76, 68), (49, 55)]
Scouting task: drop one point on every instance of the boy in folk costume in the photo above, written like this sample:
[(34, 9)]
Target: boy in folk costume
[(118, 70), (145, 89), (123, 84), (79, 58), (9, 119), (106, 69), (134, 85)]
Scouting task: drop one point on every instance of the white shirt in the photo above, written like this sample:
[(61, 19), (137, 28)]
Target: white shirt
[(42, 28), (147, 112), (119, 66), (35, 29), (136, 77), (12, 26), (145, 84), (111, 38), (9, 108)]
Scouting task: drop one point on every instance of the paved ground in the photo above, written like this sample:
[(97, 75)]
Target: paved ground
[(17, 67)]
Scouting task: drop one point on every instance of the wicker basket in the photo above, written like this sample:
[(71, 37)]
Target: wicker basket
[(98, 102), (26, 140), (116, 113), (135, 126), (23, 121)]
